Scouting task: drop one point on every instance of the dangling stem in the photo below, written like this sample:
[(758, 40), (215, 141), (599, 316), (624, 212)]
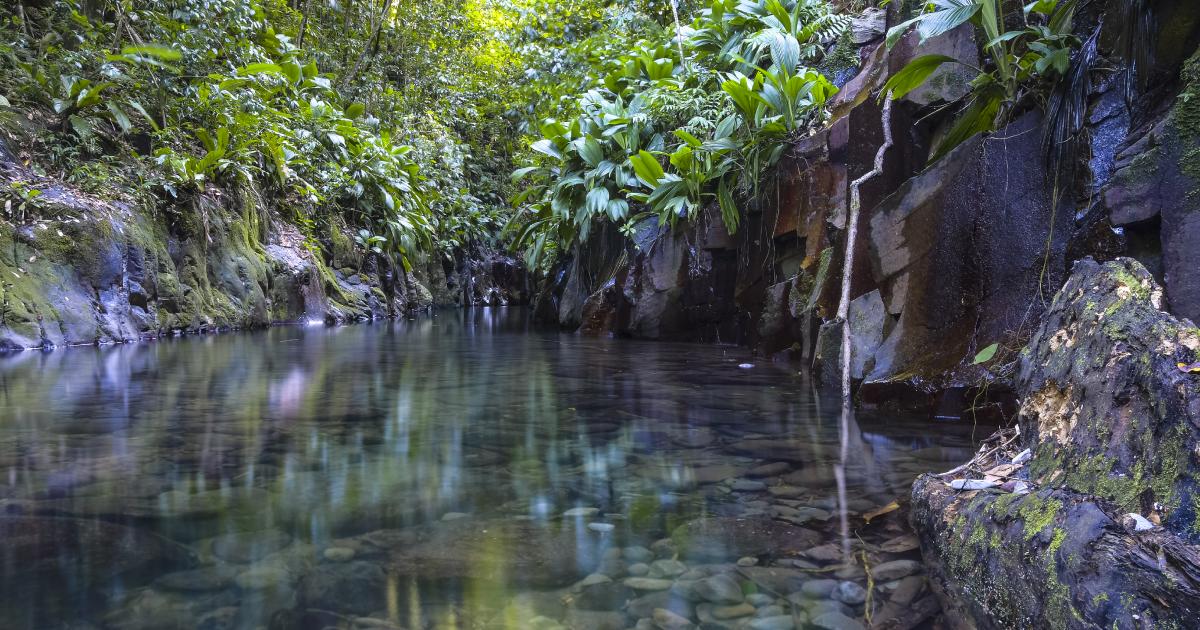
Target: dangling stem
[(678, 34), (843, 311)]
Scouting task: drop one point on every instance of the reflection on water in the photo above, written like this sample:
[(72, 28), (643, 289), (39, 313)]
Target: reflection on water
[(462, 471)]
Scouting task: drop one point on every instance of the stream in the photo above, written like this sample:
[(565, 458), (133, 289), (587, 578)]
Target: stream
[(464, 470)]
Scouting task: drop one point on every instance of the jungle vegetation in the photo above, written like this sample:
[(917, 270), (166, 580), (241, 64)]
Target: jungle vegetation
[(402, 120)]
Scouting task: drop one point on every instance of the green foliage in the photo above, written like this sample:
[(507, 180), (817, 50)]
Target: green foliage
[(1023, 61), (664, 135), (333, 109)]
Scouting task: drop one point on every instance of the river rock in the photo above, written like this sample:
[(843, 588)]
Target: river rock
[(780, 622), (719, 589), (732, 612), (244, 548), (357, 587), (594, 620), (647, 584), (339, 554), (637, 554), (501, 551), (602, 595), (729, 538), (836, 621), (894, 570), (775, 579), (769, 470), (667, 620), (667, 568), (850, 593), (211, 578), (645, 605), (819, 589)]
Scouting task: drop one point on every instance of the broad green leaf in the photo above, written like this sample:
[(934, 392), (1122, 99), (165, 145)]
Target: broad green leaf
[(590, 151), (986, 354), (688, 138), (163, 53), (355, 110), (546, 147), (119, 116), (911, 76), (950, 14), (520, 173), (647, 168), (292, 71), (978, 117), (145, 114), (260, 68)]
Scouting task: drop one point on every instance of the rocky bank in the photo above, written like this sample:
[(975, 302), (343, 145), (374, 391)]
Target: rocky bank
[(96, 270)]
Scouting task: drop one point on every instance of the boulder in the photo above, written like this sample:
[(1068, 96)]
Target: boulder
[(1113, 424), (1104, 406)]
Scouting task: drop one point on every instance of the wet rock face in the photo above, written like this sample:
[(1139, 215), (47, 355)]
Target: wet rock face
[(1157, 178), (1113, 425), (958, 252), (1104, 406)]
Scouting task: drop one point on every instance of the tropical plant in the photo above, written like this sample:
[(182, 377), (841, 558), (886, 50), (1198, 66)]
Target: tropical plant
[(1020, 62)]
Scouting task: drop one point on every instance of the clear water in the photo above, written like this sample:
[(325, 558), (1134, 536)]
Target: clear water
[(459, 471)]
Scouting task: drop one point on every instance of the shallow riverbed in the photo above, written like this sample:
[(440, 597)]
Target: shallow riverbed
[(459, 471)]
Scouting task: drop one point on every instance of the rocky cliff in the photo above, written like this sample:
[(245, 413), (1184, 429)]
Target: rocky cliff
[(953, 256)]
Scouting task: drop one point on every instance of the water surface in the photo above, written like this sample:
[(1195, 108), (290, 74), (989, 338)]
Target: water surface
[(459, 471)]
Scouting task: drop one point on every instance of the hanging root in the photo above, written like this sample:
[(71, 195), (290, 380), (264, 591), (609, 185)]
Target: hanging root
[(843, 312)]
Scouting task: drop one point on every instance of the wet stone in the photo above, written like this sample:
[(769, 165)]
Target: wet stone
[(212, 578), (638, 570), (759, 599), (733, 612), (668, 620), (594, 620), (781, 622), (819, 589), (719, 589), (895, 570), (248, 547), (667, 568), (647, 584), (749, 485), (769, 470), (638, 554), (850, 593), (339, 554), (836, 621)]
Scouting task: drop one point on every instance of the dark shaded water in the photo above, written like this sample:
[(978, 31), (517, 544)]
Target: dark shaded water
[(461, 471)]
